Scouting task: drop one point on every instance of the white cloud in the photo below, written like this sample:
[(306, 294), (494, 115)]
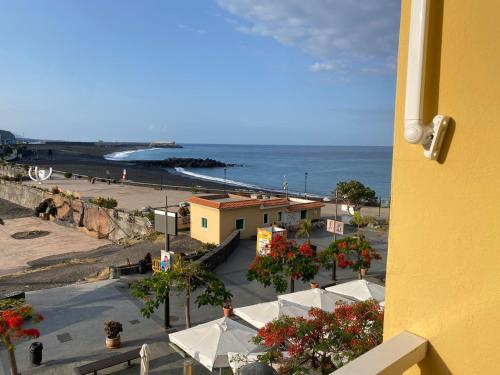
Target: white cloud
[(191, 29), (359, 31), (327, 65)]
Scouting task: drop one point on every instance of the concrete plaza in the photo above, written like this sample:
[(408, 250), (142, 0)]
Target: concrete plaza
[(15, 254), (73, 334)]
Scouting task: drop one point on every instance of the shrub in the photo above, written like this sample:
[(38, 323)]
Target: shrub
[(68, 174), (56, 190), (105, 202), (194, 190), (184, 211), (206, 246), (151, 216), (112, 329)]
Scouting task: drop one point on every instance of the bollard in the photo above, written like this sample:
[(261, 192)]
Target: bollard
[(188, 367), (36, 353)]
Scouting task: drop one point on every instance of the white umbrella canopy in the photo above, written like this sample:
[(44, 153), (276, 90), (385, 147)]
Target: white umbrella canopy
[(316, 297), (210, 342), (360, 290), (260, 314), (145, 354)]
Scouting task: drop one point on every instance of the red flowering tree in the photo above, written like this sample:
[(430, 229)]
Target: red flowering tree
[(353, 252), (323, 342), (284, 261), (12, 328)]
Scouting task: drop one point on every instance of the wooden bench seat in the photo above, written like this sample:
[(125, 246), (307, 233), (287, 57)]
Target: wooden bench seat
[(111, 361)]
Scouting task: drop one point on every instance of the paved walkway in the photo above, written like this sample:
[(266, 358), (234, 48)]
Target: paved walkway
[(16, 254), (129, 197), (73, 328)]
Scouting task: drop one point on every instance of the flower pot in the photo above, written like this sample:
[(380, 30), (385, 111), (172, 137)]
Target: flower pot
[(314, 285), (228, 311), (113, 343)]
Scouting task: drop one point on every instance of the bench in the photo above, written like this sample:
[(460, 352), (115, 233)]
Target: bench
[(114, 360)]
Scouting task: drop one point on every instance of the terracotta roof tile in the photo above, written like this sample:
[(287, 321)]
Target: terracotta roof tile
[(305, 206), (211, 201)]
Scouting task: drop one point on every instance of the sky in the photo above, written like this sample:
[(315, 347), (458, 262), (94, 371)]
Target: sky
[(200, 71)]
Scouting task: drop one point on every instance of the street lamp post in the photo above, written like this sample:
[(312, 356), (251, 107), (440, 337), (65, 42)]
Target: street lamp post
[(225, 182), (305, 183)]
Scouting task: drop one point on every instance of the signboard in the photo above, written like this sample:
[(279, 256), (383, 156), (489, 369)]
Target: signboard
[(166, 259), (160, 222), (335, 226), (263, 240), (264, 237), (347, 208)]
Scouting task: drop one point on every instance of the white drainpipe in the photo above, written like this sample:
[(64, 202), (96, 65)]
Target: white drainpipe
[(430, 136)]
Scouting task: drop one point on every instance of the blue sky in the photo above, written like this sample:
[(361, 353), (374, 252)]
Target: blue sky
[(213, 71)]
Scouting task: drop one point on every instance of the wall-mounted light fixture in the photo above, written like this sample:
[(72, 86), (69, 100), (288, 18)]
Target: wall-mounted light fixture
[(430, 136)]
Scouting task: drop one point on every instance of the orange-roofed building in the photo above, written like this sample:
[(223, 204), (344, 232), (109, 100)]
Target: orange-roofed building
[(214, 217)]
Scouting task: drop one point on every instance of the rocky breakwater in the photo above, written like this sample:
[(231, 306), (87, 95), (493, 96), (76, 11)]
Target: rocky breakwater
[(184, 163)]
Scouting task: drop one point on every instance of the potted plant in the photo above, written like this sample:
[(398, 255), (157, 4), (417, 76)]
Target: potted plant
[(113, 329), (228, 308)]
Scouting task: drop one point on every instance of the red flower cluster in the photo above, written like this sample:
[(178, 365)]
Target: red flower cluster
[(277, 246), (306, 250), (353, 252), (349, 331), (342, 262), (285, 260), (11, 324)]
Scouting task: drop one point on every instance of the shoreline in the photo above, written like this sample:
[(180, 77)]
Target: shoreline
[(89, 160)]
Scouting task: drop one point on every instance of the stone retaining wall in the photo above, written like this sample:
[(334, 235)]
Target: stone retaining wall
[(219, 255), (96, 221)]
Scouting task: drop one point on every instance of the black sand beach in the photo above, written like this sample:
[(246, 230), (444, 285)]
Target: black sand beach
[(88, 159)]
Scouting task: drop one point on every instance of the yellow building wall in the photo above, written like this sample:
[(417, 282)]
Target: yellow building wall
[(211, 234), (443, 272), (254, 218)]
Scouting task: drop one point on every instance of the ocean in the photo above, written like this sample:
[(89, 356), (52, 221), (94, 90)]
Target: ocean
[(266, 166)]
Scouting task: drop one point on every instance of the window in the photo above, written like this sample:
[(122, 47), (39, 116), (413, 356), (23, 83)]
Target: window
[(266, 218), (303, 214), (280, 216), (204, 222), (240, 224)]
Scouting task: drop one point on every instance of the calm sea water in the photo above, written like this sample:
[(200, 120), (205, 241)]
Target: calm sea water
[(266, 166)]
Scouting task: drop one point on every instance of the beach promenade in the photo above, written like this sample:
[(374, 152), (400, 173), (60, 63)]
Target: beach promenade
[(131, 197)]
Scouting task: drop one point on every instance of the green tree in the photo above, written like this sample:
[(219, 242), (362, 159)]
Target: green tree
[(184, 278), (354, 193), (324, 341), (285, 260), (353, 252), (305, 229)]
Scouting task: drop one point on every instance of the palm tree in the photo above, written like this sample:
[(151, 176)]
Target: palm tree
[(305, 229)]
